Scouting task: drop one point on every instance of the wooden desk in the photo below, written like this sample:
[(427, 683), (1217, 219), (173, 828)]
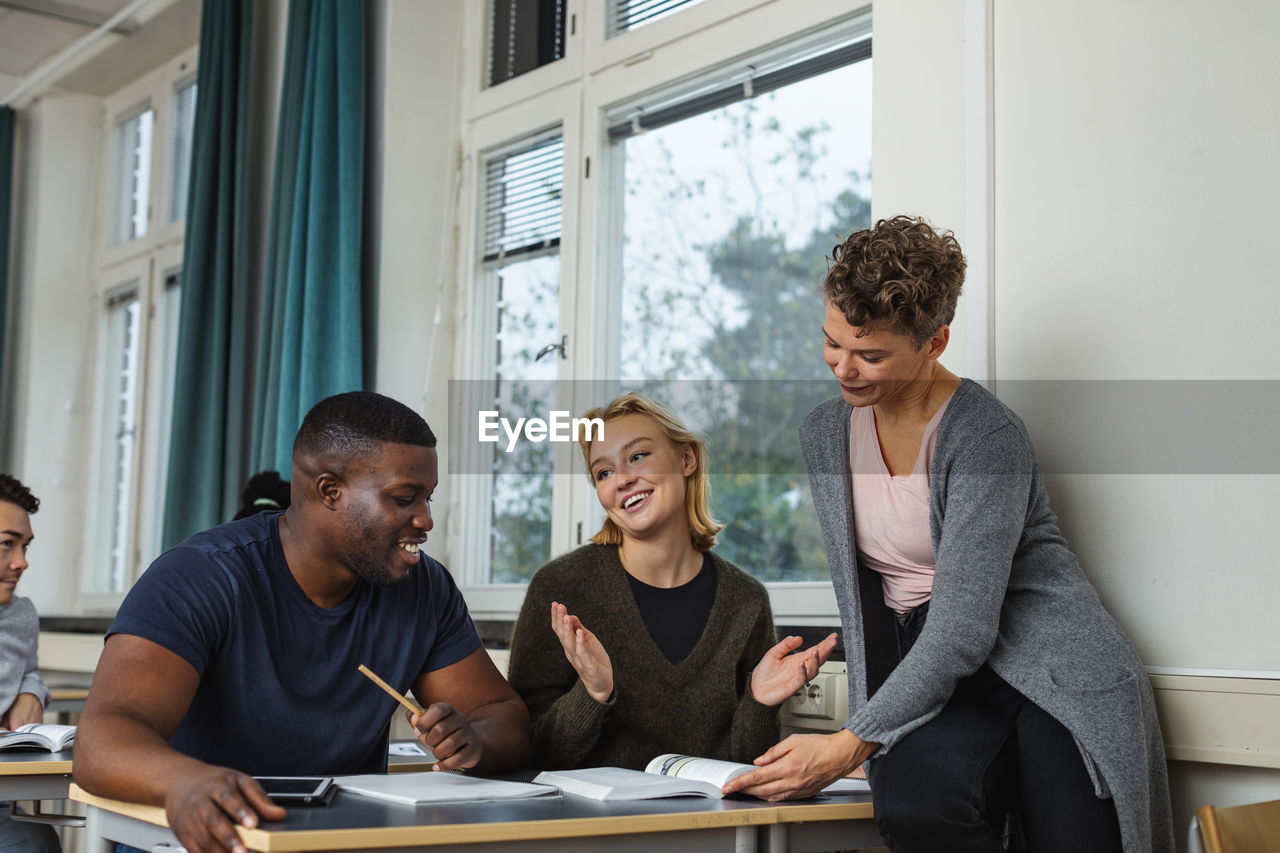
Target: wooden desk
[(64, 702), (38, 775), (570, 824), (63, 699), (34, 775)]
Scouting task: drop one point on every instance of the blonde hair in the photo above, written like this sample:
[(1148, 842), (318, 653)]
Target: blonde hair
[(697, 494)]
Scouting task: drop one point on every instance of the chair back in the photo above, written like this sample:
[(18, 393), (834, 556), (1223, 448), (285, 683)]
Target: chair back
[(1253, 828)]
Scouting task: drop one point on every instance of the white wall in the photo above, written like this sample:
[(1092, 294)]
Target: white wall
[(1136, 131), (1135, 235), (918, 129), (919, 101), (1137, 231), (51, 349), (416, 319)]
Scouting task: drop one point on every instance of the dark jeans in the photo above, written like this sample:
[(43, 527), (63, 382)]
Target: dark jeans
[(952, 784), (21, 837)]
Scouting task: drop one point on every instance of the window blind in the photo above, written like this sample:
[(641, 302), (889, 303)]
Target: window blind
[(524, 35), (522, 201), (132, 177), (626, 15), (740, 91)]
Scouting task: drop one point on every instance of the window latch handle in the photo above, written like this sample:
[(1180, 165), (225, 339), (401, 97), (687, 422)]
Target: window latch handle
[(563, 347)]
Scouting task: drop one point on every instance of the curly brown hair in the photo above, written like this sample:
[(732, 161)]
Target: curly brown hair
[(901, 273), (12, 491)]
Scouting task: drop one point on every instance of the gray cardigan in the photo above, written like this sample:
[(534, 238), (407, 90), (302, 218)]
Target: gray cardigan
[(1006, 592), (19, 629)]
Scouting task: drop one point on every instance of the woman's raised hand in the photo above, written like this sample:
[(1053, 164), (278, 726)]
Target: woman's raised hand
[(780, 673), (583, 651)]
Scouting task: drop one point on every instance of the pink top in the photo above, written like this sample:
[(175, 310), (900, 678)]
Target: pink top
[(891, 514)]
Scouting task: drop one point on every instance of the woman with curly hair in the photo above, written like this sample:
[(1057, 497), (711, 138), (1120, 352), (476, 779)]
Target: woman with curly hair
[(989, 688)]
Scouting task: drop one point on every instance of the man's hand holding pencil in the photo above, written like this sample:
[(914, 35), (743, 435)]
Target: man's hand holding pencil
[(447, 732), (441, 728)]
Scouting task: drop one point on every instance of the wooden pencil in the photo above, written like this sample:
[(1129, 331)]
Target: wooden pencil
[(397, 695)]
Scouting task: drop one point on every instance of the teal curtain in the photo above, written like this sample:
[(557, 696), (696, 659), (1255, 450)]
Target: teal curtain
[(310, 340), (6, 206), (206, 451)]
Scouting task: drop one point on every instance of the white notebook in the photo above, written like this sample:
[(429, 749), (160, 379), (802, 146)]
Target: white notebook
[(416, 789)]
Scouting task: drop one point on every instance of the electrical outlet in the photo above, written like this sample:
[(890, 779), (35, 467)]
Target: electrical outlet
[(823, 704)]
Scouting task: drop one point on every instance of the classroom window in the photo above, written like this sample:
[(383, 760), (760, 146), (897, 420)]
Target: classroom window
[(117, 432), (730, 205), (161, 364), (522, 222), (704, 178), (183, 117), (524, 35), (132, 176), (148, 128)]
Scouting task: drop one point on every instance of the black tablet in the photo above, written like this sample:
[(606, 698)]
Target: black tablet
[(298, 790)]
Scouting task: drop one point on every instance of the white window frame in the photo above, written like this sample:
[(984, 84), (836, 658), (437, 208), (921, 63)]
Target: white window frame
[(469, 510), (711, 39), (603, 50), (483, 98), (155, 90), (167, 232), (157, 401), (116, 183), (134, 274), (146, 260)]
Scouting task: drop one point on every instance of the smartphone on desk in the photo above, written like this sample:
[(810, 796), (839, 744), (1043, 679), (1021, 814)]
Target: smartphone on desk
[(298, 790)]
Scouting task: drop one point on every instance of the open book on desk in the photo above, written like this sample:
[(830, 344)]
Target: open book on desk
[(416, 789), (667, 775), (39, 736)]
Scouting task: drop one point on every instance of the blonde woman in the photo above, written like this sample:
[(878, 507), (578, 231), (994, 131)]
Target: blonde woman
[(646, 641)]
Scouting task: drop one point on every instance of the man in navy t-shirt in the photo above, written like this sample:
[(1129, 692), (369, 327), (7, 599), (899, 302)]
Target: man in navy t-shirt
[(236, 652)]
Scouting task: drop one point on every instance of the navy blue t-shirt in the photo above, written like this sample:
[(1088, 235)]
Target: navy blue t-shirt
[(279, 691)]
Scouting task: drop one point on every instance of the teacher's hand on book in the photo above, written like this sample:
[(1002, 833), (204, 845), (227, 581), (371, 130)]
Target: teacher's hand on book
[(584, 652), (802, 765), (780, 674), (447, 732), (206, 803), (24, 710)]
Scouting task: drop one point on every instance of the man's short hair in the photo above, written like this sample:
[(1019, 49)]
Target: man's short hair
[(12, 491), (354, 424)]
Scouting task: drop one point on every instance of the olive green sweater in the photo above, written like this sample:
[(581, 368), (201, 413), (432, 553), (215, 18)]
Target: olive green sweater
[(699, 706)]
